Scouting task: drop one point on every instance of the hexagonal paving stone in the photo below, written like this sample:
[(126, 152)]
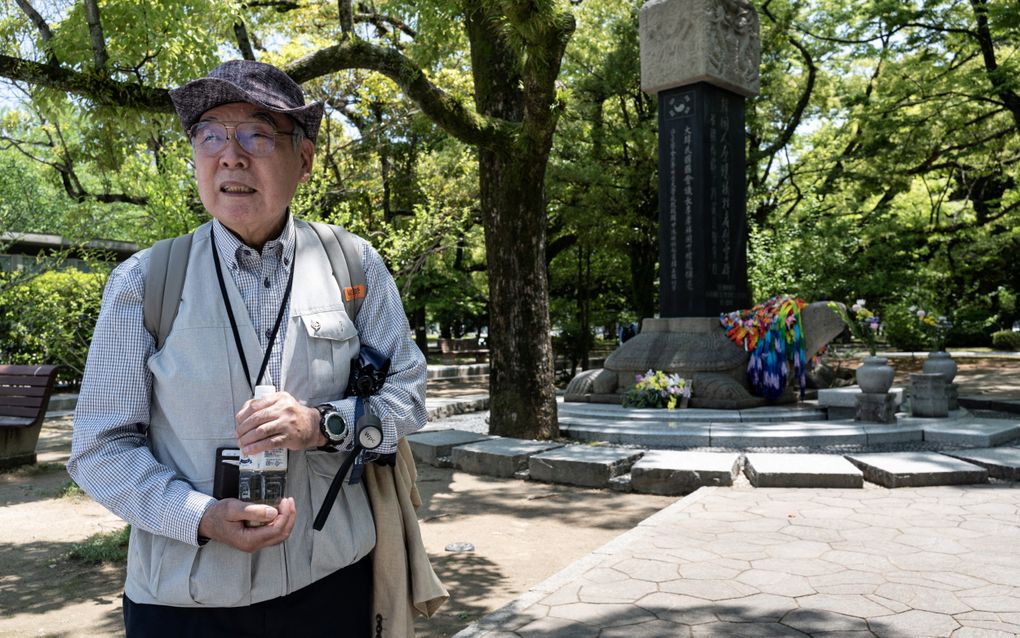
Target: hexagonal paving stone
[(624, 591), (914, 623)]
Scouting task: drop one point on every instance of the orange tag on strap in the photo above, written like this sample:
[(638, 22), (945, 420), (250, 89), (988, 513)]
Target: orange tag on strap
[(354, 292)]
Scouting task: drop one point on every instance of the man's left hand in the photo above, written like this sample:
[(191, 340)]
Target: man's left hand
[(277, 421)]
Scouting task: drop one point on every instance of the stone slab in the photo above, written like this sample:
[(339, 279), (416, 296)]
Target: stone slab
[(801, 470), (502, 457), (1001, 462), (973, 432), (63, 402), (674, 473), (899, 432), (809, 434), (917, 469), (584, 465), (782, 414), (429, 447), (621, 434), (999, 404), (457, 373), (846, 397), (619, 413), (442, 407)]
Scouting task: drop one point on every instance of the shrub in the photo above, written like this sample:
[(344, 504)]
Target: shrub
[(104, 547), (50, 318), (1006, 340), (902, 329)]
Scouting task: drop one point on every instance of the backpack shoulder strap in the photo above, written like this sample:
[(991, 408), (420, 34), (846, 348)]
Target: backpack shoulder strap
[(164, 281), (345, 259)]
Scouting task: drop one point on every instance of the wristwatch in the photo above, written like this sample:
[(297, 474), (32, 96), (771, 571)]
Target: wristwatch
[(332, 426)]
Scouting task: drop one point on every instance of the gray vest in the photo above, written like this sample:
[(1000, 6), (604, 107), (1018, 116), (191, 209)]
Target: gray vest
[(198, 386)]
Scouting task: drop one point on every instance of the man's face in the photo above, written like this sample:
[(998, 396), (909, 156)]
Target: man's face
[(250, 194)]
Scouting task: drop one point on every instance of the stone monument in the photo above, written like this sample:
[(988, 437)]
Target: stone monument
[(701, 58)]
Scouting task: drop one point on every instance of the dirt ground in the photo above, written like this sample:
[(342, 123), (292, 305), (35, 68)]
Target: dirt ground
[(523, 532)]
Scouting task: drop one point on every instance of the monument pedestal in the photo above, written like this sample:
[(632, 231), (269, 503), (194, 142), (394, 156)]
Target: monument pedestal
[(928, 395), (697, 349), (876, 407)]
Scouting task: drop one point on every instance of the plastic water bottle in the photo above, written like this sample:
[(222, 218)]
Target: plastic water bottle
[(263, 476)]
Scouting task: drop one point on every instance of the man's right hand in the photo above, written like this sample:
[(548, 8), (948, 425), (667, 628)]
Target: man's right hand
[(224, 522)]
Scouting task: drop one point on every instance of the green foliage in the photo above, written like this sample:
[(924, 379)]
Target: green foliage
[(49, 319), (901, 328), (1006, 340), (102, 548), (71, 490), (898, 180)]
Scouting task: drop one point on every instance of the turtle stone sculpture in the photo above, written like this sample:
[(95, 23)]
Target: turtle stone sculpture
[(696, 348)]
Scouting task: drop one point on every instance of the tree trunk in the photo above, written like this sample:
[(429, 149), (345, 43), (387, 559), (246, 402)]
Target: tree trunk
[(521, 378)]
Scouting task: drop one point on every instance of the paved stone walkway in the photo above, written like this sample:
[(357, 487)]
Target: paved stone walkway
[(905, 563)]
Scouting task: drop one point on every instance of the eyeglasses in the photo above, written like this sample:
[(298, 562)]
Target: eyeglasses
[(256, 138)]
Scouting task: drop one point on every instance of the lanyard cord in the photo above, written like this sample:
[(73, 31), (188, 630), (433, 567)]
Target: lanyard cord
[(233, 322)]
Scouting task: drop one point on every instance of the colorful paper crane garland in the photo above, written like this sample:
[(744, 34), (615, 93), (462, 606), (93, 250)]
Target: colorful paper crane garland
[(771, 332)]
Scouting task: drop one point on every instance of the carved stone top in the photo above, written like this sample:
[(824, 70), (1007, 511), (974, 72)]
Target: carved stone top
[(688, 41)]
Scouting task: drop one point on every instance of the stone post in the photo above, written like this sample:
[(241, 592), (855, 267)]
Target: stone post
[(701, 58), (928, 395)]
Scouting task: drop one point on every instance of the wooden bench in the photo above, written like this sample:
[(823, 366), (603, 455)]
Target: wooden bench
[(24, 395), (450, 349)]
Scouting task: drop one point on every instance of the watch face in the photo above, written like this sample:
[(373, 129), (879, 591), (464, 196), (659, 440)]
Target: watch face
[(335, 426), (370, 437)]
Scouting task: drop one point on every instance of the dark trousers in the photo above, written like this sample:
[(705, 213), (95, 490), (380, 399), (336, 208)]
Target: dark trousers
[(338, 605)]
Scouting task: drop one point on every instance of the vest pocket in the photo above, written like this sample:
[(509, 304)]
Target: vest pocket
[(332, 343), (349, 532)]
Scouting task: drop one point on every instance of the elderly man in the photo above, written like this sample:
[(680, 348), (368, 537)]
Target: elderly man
[(258, 290)]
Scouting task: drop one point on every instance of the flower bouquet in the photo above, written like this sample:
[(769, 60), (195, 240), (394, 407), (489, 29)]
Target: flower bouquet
[(656, 389), (865, 325), (935, 327)]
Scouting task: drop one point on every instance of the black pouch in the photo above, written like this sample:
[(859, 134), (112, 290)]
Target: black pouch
[(225, 477)]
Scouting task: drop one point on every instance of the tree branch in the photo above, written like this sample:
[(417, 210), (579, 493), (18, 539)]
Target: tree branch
[(346, 18), (96, 34), (798, 110), (243, 42), (449, 113), (44, 29), (999, 80), (379, 20), (99, 89)]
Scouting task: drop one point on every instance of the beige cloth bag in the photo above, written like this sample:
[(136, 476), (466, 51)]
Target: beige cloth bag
[(403, 581)]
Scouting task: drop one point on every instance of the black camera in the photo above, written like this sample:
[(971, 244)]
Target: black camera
[(368, 373)]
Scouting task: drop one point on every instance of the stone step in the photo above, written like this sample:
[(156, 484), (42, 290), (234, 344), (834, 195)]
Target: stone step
[(674, 473), (584, 465), (644, 434), (971, 432), (801, 470), (808, 411), (917, 469), (433, 446), (1002, 463), (741, 435), (502, 457)]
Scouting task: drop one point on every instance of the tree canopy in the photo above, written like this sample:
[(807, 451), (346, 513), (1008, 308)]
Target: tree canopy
[(502, 156)]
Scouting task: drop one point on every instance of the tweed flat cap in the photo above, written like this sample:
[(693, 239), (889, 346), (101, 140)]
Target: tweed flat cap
[(256, 83)]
